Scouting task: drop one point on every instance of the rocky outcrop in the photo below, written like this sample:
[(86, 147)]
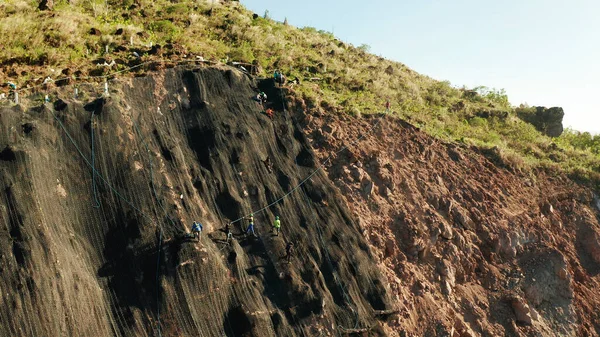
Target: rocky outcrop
[(545, 120)]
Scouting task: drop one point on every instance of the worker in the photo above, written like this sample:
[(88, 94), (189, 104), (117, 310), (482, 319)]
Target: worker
[(288, 251), (279, 78), (277, 225), (262, 97), (250, 229), (268, 164), (250, 225), (196, 230), (269, 113)]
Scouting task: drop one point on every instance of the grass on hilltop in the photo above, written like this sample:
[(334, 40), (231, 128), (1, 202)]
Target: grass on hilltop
[(36, 44)]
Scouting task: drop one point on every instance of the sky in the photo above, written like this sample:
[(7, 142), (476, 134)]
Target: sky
[(542, 52)]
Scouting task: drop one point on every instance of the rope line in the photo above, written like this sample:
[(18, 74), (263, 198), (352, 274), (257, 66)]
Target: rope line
[(335, 275), (128, 202), (110, 186), (195, 61), (310, 175), (96, 203), (160, 235)]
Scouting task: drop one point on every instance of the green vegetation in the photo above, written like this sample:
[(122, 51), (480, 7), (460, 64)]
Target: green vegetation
[(342, 77)]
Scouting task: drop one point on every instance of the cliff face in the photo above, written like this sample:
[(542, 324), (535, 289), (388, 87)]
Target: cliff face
[(439, 240), (106, 254)]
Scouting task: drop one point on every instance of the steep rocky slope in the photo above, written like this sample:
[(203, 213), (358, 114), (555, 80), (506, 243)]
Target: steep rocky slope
[(105, 254), (469, 248), (399, 235)]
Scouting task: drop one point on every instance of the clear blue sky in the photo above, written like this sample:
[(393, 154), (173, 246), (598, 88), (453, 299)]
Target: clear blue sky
[(542, 52)]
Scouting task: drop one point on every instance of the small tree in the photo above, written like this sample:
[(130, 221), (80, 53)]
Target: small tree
[(285, 22), (266, 16), (364, 47)]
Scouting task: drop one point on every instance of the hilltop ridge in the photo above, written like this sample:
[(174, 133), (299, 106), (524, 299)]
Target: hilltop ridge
[(77, 39)]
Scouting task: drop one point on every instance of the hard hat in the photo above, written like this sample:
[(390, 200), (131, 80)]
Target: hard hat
[(277, 217), (251, 214)]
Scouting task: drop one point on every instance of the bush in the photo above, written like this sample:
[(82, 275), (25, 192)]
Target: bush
[(165, 27), (242, 53), (179, 9)]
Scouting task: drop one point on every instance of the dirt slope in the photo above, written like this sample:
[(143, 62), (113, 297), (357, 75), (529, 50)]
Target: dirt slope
[(469, 248), (104, 254)]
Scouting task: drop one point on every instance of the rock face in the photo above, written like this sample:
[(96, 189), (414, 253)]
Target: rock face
[(109, 257), (459, 237), (546, 120)]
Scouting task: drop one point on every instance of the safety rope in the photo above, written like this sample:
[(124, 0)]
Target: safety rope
[(321, 166), (128, 202), (143, 141), (96, 203), (110, 186), (319, 231)]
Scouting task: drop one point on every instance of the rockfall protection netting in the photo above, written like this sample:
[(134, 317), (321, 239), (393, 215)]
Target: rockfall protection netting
[(163, 151)]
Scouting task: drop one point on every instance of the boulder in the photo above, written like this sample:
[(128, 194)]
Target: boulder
[(60, 105), (448, 274), (592, 244), (434, 235), (505, 245), (461, 217), (357, 173), (389, 248), (94, 31), (522, 310), (46, 5), (547, 208), (461, 329), (547, 280), (446, 231), (367, 187)]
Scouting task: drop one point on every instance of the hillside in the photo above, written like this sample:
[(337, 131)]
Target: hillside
[(452, 215), (74, 37)]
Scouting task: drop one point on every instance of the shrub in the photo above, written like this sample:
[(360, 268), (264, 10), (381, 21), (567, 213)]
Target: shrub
[(165, 27), (242, 53)]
